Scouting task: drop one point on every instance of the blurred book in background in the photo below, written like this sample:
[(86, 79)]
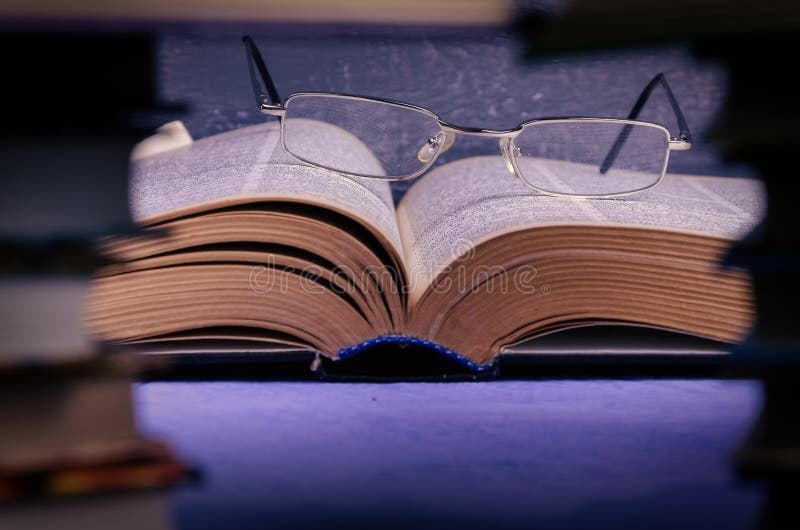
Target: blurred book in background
[(70, 453)]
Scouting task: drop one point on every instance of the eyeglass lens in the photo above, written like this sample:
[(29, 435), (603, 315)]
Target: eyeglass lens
[(590, 157), (358, 136)]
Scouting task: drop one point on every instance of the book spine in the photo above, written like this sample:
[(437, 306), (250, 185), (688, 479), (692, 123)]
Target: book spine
[(403, 340)]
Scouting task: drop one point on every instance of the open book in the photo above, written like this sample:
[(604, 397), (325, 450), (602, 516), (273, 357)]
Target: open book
[(247, 246)]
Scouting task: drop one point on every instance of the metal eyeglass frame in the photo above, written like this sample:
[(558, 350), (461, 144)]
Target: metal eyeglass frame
[(269, 103)]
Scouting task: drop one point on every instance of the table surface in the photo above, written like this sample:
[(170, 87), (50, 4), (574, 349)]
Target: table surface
[(565, 454), (562, 453)]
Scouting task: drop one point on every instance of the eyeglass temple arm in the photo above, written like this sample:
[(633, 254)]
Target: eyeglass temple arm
[(685, 136), (255, 61)]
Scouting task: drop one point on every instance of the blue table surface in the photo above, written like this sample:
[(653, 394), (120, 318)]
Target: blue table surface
[(565, 454)]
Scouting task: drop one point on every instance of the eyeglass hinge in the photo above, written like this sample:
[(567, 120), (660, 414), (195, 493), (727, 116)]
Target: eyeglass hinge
[(680, 144), (272, 110)]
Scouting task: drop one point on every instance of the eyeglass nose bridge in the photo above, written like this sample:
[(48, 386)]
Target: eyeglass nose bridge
[(505, 139), (475, 131)]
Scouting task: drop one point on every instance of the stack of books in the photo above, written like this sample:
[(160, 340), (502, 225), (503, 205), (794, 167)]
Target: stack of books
[(70, 453)]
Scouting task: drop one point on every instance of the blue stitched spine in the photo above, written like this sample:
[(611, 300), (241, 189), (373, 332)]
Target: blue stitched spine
[(413, 341)]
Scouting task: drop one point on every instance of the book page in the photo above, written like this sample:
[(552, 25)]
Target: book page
[(466, 202), (251, 163)]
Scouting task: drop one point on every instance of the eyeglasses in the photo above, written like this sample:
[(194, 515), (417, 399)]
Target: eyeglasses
[(378, 138)]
